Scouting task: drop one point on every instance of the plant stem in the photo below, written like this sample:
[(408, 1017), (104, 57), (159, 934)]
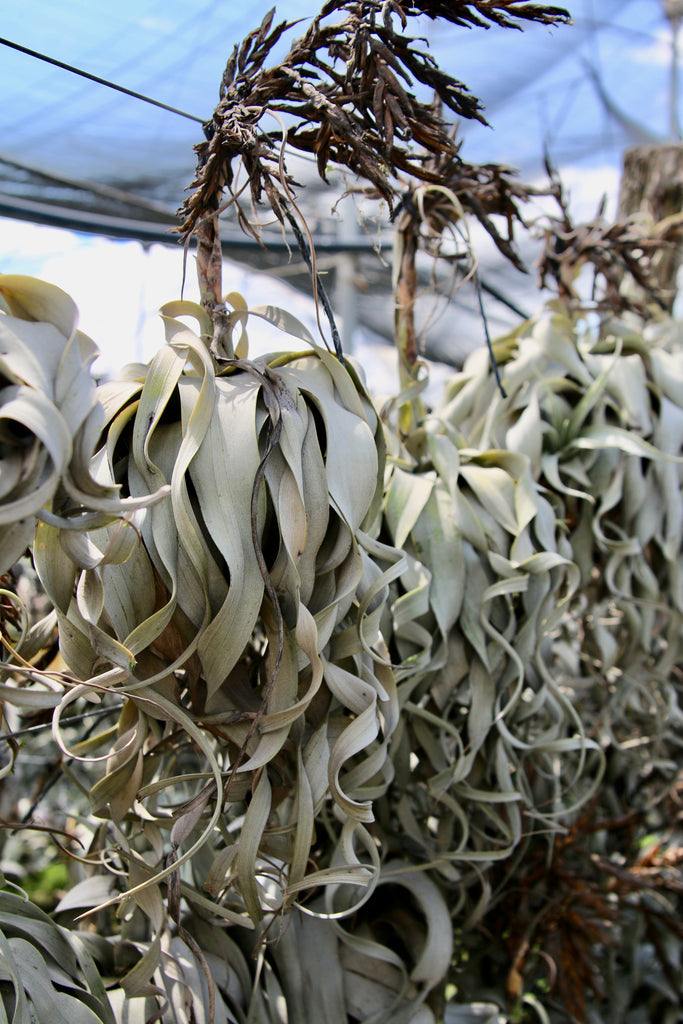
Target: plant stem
[(405, 295)]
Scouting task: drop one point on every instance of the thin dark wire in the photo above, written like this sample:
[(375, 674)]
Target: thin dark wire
[(57, 770), (492, 357), (65, 721), (99, 81), (306, 253)]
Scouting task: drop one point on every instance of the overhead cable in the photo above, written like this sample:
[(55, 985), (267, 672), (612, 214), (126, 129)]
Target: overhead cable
[(99, 81), (94, 188), (234, 246)]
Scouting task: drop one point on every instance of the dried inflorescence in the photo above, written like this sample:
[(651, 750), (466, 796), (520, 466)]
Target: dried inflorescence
[(571, 918), (619, 252), (345, 93)]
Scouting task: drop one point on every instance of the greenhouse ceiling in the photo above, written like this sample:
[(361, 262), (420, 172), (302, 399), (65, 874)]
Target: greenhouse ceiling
[(76, 153)]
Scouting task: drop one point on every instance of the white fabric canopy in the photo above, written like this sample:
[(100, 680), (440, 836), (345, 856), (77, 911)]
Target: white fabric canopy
[(76, 153)]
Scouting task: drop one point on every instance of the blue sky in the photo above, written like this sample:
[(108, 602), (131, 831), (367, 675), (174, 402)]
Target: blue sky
[(537, 85), (538, 88)]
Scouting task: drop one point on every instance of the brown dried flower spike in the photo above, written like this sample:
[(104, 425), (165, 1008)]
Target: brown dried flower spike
[(344, 89)]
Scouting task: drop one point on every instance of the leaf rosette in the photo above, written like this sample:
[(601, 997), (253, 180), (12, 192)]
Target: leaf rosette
[(240, 615), (49, 416), (601, 419), (489, 576)]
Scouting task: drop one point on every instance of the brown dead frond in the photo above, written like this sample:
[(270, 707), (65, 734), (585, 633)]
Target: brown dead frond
[(615, 252), (564, 912), (345, 90), (559, 911), (484, 191)]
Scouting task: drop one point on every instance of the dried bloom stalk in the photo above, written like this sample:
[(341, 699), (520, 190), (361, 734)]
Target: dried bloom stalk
[(617, 252), (345, 89)]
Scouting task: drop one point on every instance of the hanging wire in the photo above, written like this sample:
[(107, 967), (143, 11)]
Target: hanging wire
[(66, 721), (98, 80), (489, 345)]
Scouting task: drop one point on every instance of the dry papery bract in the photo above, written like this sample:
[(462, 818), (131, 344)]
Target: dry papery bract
[(344, 94)]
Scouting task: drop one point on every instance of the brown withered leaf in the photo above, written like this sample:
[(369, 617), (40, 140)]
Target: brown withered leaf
[(343, 94), (613, 251)]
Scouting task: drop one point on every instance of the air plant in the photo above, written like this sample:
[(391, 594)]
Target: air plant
[(596, 415), (368, 688)]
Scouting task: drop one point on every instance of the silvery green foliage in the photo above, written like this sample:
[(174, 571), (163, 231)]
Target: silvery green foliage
[(46, 398), (47, 972), (50, 418), (489, 747), (462, 641), (600, 417), (597, 414), (235, 626)]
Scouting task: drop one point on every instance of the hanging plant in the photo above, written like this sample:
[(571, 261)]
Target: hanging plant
[(238, 619), (488, 747), (49, 415), (597, 415)]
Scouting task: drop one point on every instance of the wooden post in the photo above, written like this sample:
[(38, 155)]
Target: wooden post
[(652, 184)]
